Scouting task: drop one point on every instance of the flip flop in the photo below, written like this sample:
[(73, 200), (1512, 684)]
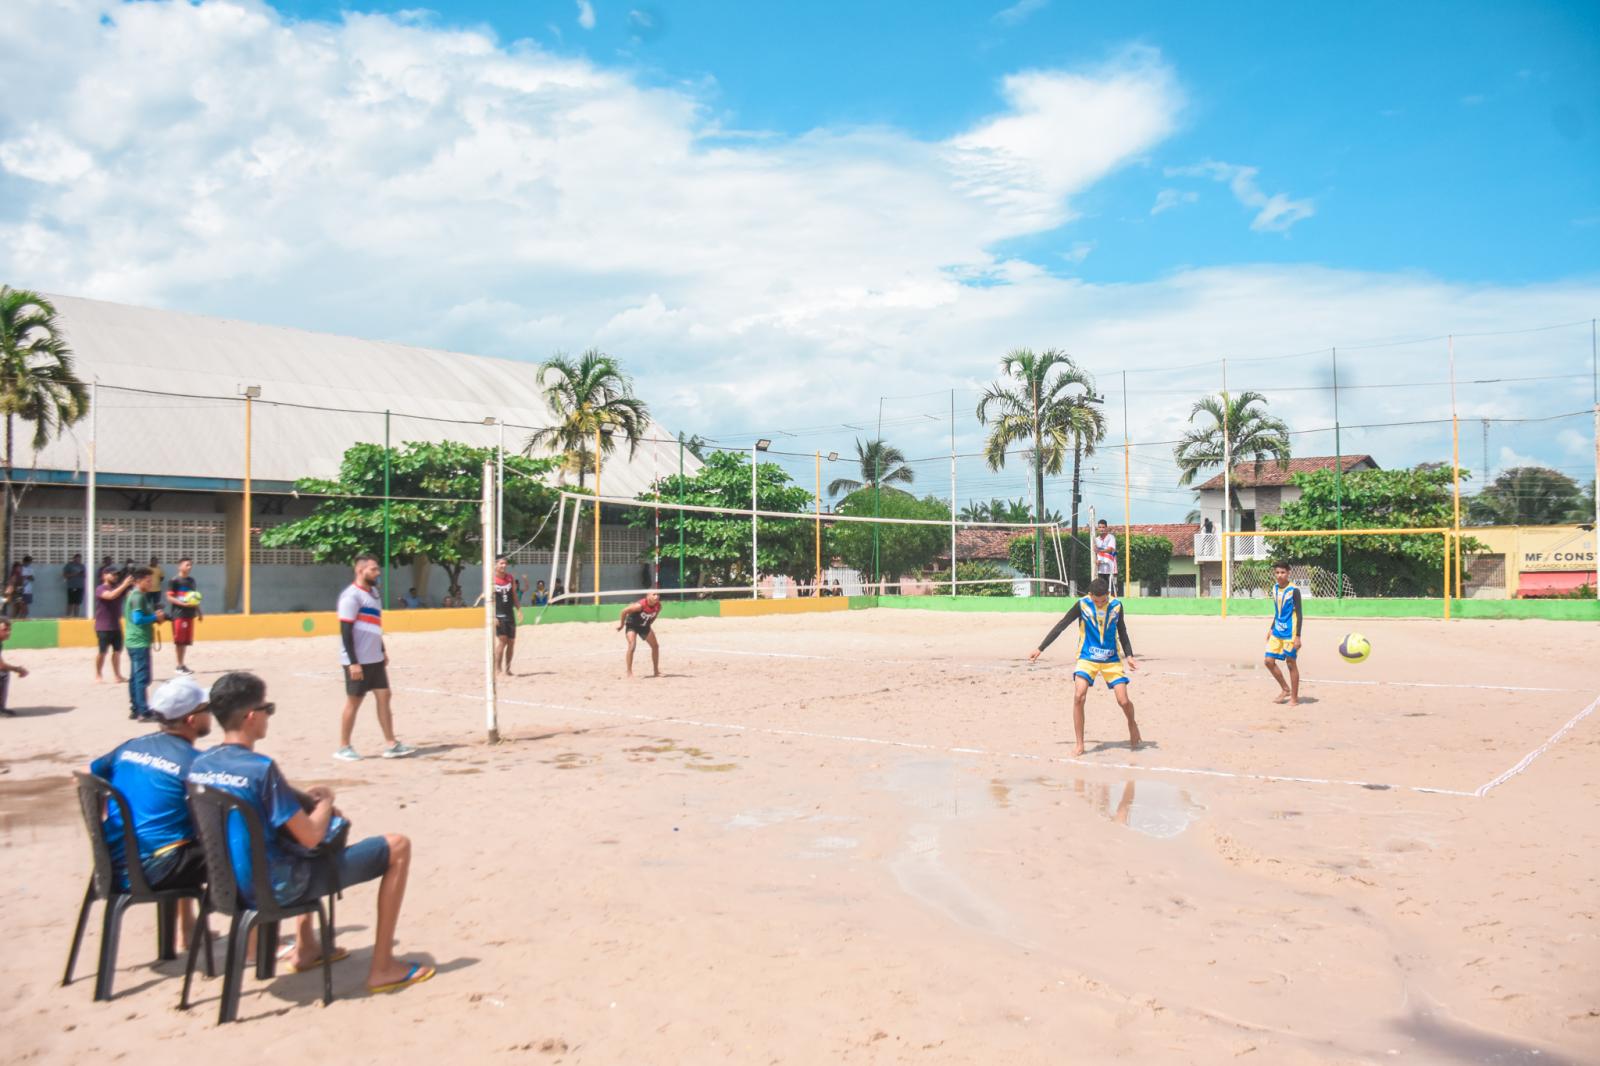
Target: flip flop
[(418, 973), (338, 954)]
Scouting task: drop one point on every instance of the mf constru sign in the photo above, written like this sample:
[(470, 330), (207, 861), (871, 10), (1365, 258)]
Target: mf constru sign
[(1564, 548)]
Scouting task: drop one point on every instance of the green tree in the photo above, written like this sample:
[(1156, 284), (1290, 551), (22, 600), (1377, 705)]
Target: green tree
[(588, 396), (1151, 559), (38, 384), (1037, 407), (1252, 436), (881, 464), (995, 581), (902, 550), (349, 521), (1530, 496), (1372, 499), (717, 548)]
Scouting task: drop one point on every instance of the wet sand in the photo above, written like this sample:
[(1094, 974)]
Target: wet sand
[(859, 837)]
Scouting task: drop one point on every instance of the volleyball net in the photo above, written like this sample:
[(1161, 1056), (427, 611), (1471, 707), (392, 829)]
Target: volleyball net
[(699, 551), (1371, 564)]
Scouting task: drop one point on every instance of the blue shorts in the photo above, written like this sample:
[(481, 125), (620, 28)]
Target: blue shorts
[(1281, 648), (366, 860)]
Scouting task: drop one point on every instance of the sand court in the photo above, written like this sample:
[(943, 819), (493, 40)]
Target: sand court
[(860, 836)]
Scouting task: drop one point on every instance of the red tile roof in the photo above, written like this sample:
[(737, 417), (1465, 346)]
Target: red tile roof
[(1181, 534), (1245, 476)]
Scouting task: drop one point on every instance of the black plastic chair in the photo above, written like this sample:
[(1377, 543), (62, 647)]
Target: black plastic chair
[(211, 809), (95, 795)]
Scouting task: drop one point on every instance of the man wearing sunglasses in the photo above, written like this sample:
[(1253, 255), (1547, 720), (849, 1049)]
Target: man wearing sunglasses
[(240, 705)]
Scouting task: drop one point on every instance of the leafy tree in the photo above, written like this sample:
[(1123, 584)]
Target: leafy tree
[(1372, 499), (901, 549), (1252, 436), (590, 395), (1151, 560), (1530, 496), (881, 464), (717, 548), (37, 382), (1037, 407), (349, 522)]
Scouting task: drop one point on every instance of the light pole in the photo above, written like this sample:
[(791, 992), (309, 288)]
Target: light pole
[(499, 486), (755, 542), (249, 392), (833, 457)]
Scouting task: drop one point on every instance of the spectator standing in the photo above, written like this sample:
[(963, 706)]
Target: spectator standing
[(155, 568), (239, 702), (365, 660), (141, 610), (26, 586), (13, 591), (73, 575), (108, 595), (541, 598), (1105, 555), (6, 670), (185, 614)]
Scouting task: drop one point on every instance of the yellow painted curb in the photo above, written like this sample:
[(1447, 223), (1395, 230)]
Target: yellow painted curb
[(747, 608)]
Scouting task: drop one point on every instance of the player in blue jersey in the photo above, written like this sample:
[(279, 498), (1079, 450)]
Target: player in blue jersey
[(296, 823), (150, 771), (1102, 628), (1283, 635)]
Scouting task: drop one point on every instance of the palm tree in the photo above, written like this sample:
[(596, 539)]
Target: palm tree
[(1252, 435), (976, 511), (37, 381), (1531, 496), (589, 396), (881, 464), (1037, 407)]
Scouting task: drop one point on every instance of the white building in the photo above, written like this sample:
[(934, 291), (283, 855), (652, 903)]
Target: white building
[(169, 429)]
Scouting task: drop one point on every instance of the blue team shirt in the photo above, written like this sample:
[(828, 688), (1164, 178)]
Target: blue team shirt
[(1099, 629), (1284, 601), (149, 771), (257, 780)]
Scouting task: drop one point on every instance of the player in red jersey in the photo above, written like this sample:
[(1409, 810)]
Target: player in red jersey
[(639, 618)]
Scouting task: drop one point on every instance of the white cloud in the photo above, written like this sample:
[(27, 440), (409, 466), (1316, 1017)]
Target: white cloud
[(586, 14), (1020, 12), (1275, 213), (1167, 199), (431, 185)]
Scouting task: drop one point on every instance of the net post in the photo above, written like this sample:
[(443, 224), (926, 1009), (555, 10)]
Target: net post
[(1447, 574), (952, 494), (1127, 496), (489, 528), (597, 516), (1225, 553), (91, 564), (1455, 466), (755, 536), (555, 547), (1338, 484)]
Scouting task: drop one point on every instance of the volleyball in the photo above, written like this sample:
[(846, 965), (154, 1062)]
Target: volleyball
[(189, 599), (1354, 648)]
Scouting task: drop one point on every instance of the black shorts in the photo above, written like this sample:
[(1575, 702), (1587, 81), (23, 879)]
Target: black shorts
[(182, 867), (374, 678), (74, 597), (641, 628), (505, 627), (108, 639)]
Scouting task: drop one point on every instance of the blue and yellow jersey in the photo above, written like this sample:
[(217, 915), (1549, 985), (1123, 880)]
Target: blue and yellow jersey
[(1285, 612), (1099, 631)]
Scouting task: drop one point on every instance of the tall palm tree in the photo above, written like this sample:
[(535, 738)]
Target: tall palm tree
[(1252, 436), (881, 464), (37, 382), (1039, 408), (588, 395)]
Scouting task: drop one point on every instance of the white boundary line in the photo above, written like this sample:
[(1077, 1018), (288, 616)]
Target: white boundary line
[(1528, 759), (913, 745)]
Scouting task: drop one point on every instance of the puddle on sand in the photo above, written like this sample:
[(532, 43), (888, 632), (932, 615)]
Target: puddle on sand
[(37, 803), (1155, 808)]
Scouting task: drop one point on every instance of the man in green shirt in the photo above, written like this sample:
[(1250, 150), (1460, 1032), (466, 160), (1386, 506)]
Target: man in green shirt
[(141, 611)]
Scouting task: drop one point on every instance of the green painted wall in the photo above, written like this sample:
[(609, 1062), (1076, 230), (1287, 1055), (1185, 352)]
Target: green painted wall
[(34, 633)]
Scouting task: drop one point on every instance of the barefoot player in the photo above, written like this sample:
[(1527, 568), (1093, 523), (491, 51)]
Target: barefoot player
[(639, 618), (1283, 635), (1101, 627)]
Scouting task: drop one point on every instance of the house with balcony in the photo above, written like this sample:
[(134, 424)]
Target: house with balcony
[(1257, 492)]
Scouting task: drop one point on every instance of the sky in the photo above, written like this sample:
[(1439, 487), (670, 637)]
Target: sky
[(783, 218)]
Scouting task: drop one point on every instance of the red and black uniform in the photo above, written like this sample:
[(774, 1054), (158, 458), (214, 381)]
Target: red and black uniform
[(641, 620), (505, 606)]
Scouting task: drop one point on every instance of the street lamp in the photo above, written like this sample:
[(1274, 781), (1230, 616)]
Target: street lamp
[(249, 392), (755, 562), (833, 457)]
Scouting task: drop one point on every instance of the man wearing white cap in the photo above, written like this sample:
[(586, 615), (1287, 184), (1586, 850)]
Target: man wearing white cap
[(150, 772)]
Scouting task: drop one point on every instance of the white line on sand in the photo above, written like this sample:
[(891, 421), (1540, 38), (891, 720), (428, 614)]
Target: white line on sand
[(879, 741), (1527, 760)]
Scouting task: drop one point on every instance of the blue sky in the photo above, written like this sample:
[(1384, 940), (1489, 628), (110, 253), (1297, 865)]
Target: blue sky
[(776, 214), (1457, 138)]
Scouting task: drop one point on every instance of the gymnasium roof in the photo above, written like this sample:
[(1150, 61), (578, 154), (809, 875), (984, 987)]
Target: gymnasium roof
[(198, 435)]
